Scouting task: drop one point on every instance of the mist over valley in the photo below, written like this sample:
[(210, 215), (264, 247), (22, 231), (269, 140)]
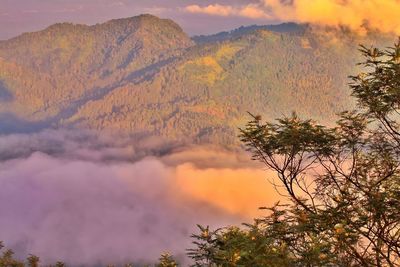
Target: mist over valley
[(117, 139)]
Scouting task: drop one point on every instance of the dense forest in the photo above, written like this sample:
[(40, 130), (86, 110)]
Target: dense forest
[(144, 75)]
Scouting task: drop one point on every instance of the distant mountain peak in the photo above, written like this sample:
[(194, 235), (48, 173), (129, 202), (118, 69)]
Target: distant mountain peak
[(287, 27), (143, 18), (127, 25), (141, 21)]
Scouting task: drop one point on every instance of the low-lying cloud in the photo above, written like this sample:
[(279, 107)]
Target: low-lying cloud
[(358, 15), (87, 199)]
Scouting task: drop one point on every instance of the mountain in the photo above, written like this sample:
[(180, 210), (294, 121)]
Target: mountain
[(222, 36), (51, 72), (144, 75)]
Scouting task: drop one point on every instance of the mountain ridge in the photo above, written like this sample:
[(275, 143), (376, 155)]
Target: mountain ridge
[(287, 27), (145, 75), (100, 55)]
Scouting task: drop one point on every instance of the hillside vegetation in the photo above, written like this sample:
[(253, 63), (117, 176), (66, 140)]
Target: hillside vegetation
[(144, 75)]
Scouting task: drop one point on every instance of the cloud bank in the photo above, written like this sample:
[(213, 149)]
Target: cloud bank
[(358, 15), (82, 199)]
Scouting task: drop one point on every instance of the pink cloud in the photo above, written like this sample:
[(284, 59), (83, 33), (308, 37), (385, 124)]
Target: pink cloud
[(249, 11), (218, 10), (84, 198)]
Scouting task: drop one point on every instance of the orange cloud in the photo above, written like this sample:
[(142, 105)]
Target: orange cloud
[(237, 191), (382, 15), (358, 15)]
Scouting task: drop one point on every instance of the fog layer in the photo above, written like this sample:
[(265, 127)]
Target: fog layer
[(86, 199)]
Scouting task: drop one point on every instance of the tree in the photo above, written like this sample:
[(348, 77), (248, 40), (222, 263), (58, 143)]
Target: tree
[(166, 260), (7, 258), (341, 185), (33, 261)]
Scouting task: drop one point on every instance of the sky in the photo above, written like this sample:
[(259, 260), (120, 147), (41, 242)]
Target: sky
[(201, 16), (18, 16)]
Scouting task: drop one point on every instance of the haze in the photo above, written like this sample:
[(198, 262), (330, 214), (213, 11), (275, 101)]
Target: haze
[(200, 17)]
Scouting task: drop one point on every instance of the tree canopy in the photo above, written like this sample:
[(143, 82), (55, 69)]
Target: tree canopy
[(341, 185)]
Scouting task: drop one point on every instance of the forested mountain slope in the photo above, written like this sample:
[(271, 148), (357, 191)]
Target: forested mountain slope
[(145, 75), (49, 72)]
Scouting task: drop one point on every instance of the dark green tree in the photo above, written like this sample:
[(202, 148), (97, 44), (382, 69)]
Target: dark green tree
[(341, 185)]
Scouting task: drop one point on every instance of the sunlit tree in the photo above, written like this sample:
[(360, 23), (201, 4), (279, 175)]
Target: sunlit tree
[(340, 185), (166, 260)]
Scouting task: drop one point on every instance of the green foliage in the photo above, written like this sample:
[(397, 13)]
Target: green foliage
[(290, 136), (342, 184), (144, 75), (66, 65), (280, 239), (378, 89), (234, 246)]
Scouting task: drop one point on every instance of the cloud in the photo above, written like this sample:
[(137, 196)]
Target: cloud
[(237, 191), (159, 11), (85, 198), (358, 15), (248, 11), (253, 12), (218, 10)]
